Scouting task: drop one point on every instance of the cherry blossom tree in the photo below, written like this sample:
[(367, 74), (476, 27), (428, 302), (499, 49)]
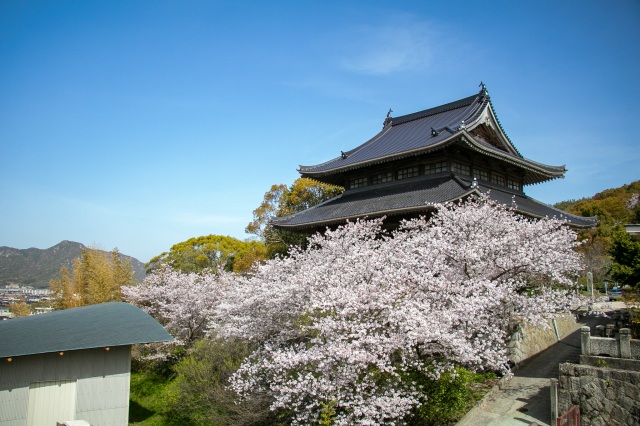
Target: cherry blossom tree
[(345, 326), (183, 302)]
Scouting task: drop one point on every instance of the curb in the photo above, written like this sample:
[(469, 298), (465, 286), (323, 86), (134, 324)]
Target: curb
[(467, 418)]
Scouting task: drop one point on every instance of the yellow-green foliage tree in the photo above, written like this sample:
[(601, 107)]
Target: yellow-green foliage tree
[(613, 207), (280, 201), (19, 309), (97, 277), (212, 252)]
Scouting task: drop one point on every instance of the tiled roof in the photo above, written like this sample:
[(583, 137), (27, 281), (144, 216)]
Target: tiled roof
[(414, 196), (412, 135), (94, 326)]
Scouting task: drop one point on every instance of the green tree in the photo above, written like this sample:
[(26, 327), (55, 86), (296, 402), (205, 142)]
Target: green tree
[(626, 259), (97, 277), (280, 201), (211, 252), (201, 391)]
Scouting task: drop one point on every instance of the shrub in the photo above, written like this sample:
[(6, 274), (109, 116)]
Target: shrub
[(200, 392)]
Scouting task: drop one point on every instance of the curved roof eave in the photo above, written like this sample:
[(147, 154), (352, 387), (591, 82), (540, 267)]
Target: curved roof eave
[(568, 222), (556, 171), (373, 214), (462, 135), (304, 169), (522, 204), (383, 159)]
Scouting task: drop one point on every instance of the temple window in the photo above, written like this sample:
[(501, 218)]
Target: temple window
[(407, 173), (497, 179), (434, 168), (512, 184), (358, 183), (481, 174), (463, 169), (382, 177)]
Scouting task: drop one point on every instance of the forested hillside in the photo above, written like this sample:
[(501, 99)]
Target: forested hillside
[(37, 267), (614, 208)]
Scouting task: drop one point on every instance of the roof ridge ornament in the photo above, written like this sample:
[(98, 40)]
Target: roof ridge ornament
[(388, 119), (474, 183), (483, 88)]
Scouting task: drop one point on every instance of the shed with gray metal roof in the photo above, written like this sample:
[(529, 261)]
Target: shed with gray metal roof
[(72, 364)]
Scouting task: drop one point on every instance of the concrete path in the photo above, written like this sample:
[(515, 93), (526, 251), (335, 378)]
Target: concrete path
[(524, 399)]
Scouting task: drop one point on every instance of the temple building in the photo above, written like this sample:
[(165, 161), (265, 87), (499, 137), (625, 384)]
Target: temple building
[(433, 156)]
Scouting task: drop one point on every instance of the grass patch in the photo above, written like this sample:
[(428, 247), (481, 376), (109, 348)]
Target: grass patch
[(479, 386), (147, 404), (451, 397)]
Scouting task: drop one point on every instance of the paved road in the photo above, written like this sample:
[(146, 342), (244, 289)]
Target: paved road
[(525, 399)]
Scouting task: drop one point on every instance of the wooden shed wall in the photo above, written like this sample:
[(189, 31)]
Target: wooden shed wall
[(102, 384)]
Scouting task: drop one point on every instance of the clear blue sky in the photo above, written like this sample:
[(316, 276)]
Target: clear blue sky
[(140, 124)]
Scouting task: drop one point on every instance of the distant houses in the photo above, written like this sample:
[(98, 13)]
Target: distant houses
[(13, 293)]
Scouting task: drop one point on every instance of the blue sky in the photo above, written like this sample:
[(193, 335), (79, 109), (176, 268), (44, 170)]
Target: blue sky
[(140, 124)]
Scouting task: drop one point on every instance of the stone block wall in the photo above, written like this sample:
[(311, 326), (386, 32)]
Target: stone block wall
[(531, 339), (606, 397)]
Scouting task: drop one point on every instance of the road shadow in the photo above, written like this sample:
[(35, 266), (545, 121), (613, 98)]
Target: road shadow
[(537, 406), (545, 364)]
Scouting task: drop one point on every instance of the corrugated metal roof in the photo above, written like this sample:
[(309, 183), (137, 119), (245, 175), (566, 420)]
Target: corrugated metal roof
[(93, 326), (415, 195)]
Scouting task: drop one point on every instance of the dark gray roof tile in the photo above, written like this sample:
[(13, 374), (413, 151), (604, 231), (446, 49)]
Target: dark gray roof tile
[(411, 135), (414, 195)]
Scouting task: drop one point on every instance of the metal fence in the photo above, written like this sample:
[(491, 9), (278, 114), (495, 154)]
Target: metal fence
[(570, 418)]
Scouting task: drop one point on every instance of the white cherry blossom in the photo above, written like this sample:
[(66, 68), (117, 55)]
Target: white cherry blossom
[(344, 323)]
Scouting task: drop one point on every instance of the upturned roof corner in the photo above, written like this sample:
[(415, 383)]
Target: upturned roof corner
[(431, 156)]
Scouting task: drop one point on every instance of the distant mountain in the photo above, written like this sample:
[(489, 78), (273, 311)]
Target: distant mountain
[(36, 267)]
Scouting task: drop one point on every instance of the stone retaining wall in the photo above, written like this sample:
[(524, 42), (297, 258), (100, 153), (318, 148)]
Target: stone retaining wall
[(606, 397), (530, 340)]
